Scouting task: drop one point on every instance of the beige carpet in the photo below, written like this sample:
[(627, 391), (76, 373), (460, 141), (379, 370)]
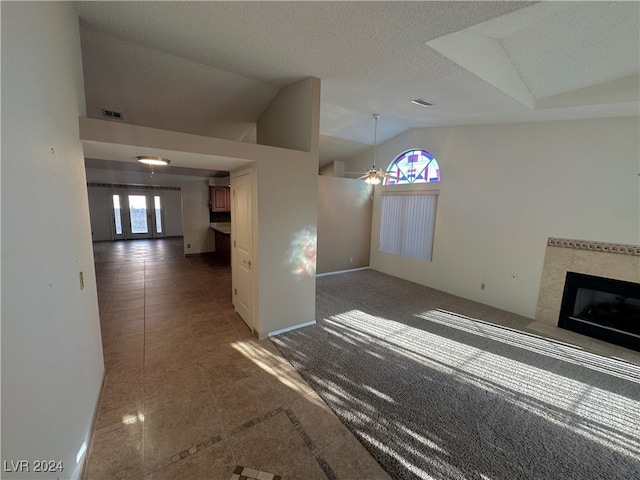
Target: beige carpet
[(435, 388)]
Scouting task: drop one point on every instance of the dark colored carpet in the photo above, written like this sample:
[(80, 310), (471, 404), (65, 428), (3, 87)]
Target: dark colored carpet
[(433, 392)]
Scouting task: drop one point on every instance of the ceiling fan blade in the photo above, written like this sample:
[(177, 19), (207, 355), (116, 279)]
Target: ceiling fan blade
[(371, 173)]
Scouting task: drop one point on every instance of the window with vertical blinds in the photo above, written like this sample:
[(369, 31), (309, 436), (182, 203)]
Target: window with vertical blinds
[(407, 223)]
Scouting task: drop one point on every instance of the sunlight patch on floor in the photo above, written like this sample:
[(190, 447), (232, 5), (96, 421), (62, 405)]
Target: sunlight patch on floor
[(400, 458), (606, 417), (531, 342)]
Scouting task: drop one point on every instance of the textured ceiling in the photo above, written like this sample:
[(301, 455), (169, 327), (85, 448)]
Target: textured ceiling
[(210, 68), (581, 46)]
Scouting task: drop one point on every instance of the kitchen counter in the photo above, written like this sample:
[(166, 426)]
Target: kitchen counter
[(222, 227), (222, 231)]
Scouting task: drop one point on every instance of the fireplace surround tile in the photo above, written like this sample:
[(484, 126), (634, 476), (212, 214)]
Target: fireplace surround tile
[(548, 316), (550, 295), (610, 260), (622, 267), (591, 263), (559, 258)]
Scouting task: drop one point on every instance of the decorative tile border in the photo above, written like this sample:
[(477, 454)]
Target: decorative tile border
[(246, 473), (603, 247), (329, 473)]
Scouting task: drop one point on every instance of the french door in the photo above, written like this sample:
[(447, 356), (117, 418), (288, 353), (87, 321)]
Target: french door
[(137, 214)]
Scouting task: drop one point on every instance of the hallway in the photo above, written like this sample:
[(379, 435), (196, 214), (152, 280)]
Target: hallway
[(189, 392)]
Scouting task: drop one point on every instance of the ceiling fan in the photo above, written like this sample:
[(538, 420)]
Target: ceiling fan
[(373, 176)]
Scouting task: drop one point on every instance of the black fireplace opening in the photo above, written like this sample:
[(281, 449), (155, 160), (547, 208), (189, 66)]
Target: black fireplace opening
[(602, 308)]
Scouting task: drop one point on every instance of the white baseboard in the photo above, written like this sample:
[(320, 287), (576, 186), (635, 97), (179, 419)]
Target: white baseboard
[(341, 271), (288, 329)]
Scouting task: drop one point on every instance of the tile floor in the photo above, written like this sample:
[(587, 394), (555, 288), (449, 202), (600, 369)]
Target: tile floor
[(190, 393)]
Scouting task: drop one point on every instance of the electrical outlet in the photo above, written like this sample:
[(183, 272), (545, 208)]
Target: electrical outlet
[(188, 245), (482, 286), (81, 275), (350, 259)]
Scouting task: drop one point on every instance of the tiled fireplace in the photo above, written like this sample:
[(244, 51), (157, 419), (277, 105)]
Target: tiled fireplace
[(595, 259)]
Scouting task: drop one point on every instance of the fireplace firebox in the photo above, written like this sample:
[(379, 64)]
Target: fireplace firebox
[(602, 308)]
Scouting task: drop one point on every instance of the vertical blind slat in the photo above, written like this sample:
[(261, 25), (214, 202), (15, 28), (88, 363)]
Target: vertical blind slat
[(406, 225)]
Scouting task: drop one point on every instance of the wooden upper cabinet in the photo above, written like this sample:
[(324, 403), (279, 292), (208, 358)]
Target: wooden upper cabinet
[(220, 199)]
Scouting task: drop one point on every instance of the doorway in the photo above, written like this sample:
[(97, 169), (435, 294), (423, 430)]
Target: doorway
[(137, 214)]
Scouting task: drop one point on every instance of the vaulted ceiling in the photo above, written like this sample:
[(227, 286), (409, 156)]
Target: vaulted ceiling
[(210, 68)]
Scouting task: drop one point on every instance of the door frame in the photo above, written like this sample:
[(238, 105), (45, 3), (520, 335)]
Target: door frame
[(251, 171)]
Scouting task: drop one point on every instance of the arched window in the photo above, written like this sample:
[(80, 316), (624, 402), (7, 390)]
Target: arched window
[(413, 166)]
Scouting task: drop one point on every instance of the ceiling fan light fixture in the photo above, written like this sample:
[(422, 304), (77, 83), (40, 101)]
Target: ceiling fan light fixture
[(373, 176), (153, 160), (372, 179)]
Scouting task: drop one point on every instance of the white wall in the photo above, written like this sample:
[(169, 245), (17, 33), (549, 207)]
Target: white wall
[(287, 210), (197, 236), (505, 189), (344, 224), (333, 169), (288, 121), (287, 221), (100, 213), (172, 204), (51, 349)]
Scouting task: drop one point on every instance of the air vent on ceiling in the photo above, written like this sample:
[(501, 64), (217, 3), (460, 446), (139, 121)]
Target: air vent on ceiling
[(421, 102), (112, 114)]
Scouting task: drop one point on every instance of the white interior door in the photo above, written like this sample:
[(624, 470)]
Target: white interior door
[(243, 246)]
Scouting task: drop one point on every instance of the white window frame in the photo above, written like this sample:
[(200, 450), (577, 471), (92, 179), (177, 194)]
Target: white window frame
[(407, 223)]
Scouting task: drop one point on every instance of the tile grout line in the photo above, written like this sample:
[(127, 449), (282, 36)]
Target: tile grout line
[(144, 356), (324, 465), (92, 435), (212, 441), (111, 287)]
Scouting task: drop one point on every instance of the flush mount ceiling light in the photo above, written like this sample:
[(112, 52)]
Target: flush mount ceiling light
[(153, 160)]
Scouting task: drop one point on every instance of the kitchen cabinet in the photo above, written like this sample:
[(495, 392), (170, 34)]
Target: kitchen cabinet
[(220, 199), (223, 247)]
